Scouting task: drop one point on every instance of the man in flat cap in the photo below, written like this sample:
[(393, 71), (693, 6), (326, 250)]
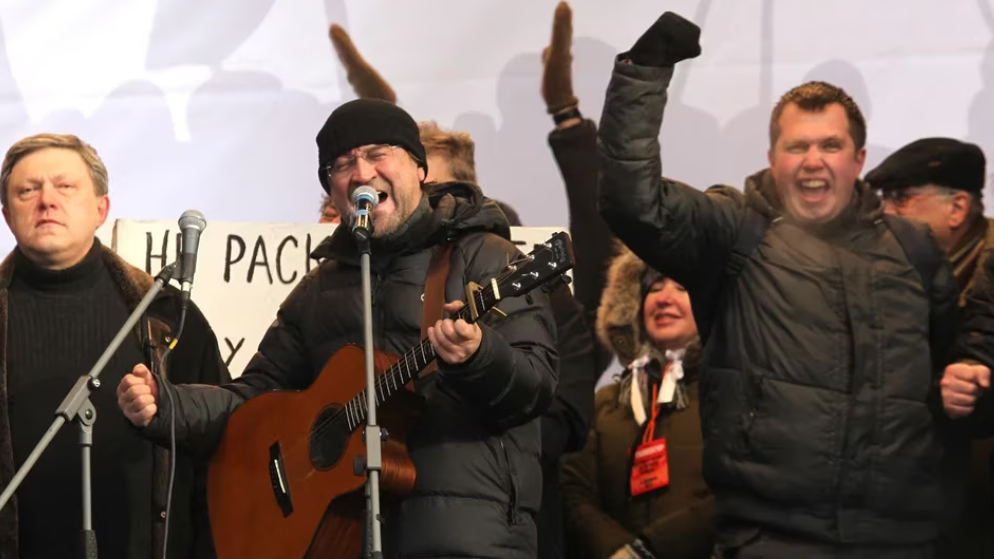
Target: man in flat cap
[(940, 181), (477, 443)]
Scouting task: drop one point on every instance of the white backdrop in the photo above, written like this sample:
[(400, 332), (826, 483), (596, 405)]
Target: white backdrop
[(214, 105)]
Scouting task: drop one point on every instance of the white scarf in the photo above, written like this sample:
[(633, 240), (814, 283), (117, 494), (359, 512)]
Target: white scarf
[(672, 374)]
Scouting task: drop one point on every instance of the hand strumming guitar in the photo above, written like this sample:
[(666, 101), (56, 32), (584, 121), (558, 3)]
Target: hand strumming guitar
[(137, 395), (455, 341)]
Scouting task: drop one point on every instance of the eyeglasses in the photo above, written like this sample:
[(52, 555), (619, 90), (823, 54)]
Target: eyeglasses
[(900, 197), (345, 165)]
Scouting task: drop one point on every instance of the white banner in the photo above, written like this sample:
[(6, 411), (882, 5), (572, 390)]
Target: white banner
[(245, 270)]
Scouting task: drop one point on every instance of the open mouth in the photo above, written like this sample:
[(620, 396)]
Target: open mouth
[(383, 197), (813, 185)]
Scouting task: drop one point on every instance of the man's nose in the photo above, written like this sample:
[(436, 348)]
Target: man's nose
[(364, 171), (812, 159), (46, 195), (890, 207)]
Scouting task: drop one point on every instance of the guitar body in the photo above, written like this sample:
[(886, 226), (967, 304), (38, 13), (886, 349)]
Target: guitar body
[(282, 482)]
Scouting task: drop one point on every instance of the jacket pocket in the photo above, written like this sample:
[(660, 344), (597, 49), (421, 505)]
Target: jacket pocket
[(726, 409), (512, 489)]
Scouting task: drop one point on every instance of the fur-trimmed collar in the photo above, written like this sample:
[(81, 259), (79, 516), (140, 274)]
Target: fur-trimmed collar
[(134, 284)]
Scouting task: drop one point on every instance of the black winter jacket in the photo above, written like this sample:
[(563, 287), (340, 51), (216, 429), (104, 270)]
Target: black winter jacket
[(818, 391), (478, 443)]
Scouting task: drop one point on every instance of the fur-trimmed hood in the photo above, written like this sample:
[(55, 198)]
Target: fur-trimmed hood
[(619, 315)]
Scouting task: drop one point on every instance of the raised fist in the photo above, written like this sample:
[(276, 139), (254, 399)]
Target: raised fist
[(671, 39)]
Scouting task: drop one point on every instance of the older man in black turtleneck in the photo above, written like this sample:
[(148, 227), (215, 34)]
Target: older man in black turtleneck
[(63, 297)]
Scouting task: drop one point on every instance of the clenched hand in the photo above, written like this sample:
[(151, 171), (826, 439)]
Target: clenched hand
[(455, 341), (962, 384), (137, 394)]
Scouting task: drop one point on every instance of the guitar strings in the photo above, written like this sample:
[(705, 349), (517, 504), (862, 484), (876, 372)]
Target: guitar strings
[(382, 384), (358, 402)]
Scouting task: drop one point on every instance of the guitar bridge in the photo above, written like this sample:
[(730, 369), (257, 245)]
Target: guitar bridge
[(277, 476)]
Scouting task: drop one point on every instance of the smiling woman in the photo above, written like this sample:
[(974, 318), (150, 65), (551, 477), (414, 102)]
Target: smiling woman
[(54, 194), (637, 485)]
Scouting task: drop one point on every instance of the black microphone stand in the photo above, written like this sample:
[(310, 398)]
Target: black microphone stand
[(372, 538), (77, 407)]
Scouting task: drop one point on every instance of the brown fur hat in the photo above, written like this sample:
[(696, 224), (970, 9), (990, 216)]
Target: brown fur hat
[(365, 80), (619, 314)]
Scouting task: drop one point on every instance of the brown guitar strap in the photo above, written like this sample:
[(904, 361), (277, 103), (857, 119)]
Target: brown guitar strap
[(438, 273)]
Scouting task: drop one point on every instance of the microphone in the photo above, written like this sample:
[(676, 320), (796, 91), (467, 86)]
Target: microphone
[(364, 199), (191, 223)]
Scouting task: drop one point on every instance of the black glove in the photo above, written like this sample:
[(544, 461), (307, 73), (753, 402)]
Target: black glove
[(670, 40)]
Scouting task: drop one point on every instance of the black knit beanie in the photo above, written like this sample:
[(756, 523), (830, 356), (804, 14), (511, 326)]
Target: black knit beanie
[(363, 122)]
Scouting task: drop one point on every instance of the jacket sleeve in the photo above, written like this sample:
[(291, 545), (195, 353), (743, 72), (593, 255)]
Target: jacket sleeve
[(975, 340), (686, 534), (575, 150), (511, 379), (201, 410), (600, 534), (682, 232), (567, 421)]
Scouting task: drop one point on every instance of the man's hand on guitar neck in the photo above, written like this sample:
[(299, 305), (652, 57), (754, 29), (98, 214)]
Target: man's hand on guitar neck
[(455, 341), (137, 394)]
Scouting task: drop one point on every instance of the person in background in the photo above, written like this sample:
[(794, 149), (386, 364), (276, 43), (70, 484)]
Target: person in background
[(573, 142), (940, 181), (618, 504), (328, 212)]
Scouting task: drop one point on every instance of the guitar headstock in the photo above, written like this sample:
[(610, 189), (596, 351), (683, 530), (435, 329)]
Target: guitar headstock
[(548, 260)]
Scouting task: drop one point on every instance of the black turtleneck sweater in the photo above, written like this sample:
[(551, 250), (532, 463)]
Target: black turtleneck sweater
[(60, 322)]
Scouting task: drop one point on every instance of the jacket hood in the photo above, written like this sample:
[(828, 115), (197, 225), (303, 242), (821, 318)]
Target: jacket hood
[(761, 193), (454, 209), (619, 314)]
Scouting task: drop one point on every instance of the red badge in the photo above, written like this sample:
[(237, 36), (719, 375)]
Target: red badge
[(650, 466), (650, 469)]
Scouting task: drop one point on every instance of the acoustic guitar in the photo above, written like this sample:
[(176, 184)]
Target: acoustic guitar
[(286, 480)]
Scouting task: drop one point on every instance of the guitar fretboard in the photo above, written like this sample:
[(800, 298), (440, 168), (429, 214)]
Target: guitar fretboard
[(410, 364)]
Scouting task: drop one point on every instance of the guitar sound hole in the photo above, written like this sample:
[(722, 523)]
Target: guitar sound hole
[(329, 437)]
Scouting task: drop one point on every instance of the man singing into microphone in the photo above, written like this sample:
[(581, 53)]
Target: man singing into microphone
[(63, 298), (477, 445)]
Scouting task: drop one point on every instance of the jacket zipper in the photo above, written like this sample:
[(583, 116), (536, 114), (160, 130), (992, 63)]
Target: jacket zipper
[(510, 483), (376, 281)]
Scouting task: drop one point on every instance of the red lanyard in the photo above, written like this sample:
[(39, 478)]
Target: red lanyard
[(650, 431)]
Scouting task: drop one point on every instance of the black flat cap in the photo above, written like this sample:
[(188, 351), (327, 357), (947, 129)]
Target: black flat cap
[(938, 161)]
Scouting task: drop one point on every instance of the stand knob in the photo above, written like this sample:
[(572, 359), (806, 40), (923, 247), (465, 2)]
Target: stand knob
[(384, 435)]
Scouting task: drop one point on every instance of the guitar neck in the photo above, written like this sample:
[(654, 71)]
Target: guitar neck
[(413, 362)]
